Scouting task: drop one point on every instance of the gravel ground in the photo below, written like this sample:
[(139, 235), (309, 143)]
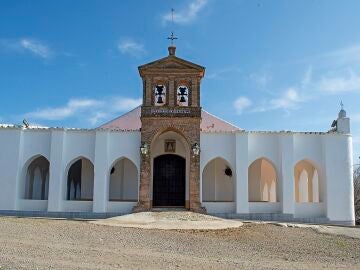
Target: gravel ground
[(27, 243)]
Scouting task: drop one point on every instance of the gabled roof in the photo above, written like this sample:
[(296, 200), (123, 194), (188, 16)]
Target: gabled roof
[(131, 121), (171, 64)]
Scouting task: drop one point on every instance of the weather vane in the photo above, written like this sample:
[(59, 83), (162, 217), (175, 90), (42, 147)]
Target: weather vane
[(172, 36)]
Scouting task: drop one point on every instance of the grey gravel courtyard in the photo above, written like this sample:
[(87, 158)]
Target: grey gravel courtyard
[(27, 243)]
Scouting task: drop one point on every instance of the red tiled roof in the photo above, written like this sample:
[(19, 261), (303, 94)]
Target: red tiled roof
[(131, 121)]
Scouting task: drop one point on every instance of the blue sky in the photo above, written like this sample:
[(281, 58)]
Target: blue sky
[(270, 65)]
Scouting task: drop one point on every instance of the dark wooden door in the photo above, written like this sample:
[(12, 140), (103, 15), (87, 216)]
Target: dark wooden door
[(169, 181)]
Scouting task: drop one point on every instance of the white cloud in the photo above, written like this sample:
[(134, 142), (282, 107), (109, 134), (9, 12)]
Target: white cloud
[(129, 46), (337, 72), (288, 100), (261, 79), (306, 81), (96, 117), (90, 110), (32, 46), (241, 103), (335, 59), (223, 72), (310, 88), (344, 56), (36, 47), (340, 84), (188, 14), (124, 104), (70, 109)]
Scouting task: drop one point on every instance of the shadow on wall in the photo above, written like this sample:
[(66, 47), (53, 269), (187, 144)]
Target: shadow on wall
[(80, 181), (37, 179), (123, 184), (307, 182), (262, 179), (218, 182)]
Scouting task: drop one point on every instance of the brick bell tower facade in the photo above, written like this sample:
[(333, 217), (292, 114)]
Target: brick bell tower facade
[(171, 102)]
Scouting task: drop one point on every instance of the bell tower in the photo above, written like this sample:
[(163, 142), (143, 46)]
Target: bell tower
[(171, 102)]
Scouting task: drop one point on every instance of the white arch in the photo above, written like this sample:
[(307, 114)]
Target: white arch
[(123, 180), (216, 185), (262, 181), (79, 184), (119, 159), (34, 177), (307, 182)]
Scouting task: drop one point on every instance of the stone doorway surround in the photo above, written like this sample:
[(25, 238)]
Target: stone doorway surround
[(154, 128)]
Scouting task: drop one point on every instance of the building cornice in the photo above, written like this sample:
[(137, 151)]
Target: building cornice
[(245, 132)]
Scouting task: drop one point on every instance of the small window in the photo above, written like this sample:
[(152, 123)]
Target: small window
[(160, 95), (182, 96)]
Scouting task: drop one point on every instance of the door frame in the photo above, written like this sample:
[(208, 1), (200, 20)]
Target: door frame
[(184, 180)]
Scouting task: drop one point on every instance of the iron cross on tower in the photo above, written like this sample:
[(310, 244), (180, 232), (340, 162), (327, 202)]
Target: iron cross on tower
[(172, 36)]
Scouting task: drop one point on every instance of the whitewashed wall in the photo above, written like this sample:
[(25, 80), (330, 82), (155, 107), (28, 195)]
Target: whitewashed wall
[(328, 153), (331, 154), (62, 148)]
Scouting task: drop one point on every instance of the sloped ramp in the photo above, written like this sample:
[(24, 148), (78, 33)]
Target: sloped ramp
[(170, 220)]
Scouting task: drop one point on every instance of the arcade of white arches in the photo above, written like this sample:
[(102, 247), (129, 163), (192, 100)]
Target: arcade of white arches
[(217, 181)]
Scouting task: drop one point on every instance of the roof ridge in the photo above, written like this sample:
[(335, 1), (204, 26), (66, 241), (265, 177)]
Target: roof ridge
[(108, 122), (132, 120), (221, 119)]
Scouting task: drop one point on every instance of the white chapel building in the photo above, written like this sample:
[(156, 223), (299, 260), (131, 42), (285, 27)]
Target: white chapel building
[(169, 152)]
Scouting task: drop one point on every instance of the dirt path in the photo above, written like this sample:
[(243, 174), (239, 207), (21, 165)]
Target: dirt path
[(61, 244)]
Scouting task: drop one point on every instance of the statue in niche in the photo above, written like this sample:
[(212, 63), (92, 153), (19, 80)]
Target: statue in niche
[(170, 146)]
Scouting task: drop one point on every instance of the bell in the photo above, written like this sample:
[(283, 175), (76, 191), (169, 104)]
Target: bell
[(159, 89), (183, 91), (160, 101), (182, 99)]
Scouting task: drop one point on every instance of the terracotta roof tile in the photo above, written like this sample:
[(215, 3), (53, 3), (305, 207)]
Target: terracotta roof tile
[(131, 121)]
